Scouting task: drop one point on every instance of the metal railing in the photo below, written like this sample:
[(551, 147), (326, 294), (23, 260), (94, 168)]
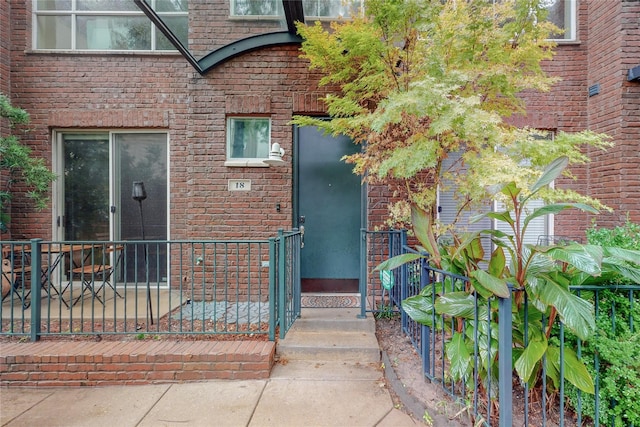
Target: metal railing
[(498, 397), (150, 288), (376, 247)]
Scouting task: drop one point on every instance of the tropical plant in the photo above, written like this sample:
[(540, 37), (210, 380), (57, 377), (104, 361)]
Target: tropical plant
[(542, 273), (18, 165)]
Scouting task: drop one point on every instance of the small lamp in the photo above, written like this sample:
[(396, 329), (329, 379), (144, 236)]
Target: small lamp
[(275, 155), (139, 193)]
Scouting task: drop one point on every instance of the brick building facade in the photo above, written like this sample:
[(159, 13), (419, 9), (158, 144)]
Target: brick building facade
[(161, 92)]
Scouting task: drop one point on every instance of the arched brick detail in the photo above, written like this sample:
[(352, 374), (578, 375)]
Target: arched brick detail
[(121, 118)]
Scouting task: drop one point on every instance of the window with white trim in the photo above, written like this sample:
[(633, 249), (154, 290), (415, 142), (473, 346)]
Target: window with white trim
[(562, 13), (313, 9), (248, 141), (111, 25)]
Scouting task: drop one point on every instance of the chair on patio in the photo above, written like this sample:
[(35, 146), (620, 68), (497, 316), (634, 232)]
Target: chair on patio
[(97, 275), (14, 280)]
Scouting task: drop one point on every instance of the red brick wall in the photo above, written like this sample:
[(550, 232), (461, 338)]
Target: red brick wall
[(161, 91), (5, 64)]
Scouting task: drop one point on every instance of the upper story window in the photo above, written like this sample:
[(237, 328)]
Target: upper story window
[(118, 25), (313, 9), (563, 14)]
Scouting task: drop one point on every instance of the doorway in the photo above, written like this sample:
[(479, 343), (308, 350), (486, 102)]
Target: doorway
[(328, 204)]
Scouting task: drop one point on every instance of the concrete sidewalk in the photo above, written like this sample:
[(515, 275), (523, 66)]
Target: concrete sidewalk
[(298, 393)]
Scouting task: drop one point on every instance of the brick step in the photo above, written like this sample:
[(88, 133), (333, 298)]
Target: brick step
[(85, 363)]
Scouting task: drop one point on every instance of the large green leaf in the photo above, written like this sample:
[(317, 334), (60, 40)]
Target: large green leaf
[(459, 356), (419, 308), (585, 258), (554, 209), (629, 255), (574, 370), (497, 262), (494, 284), (499, 216), (575, 312), (551, 172), (626, 271), (456, 304), (421, 221), (511, 190), (526, 363), (397, 261)]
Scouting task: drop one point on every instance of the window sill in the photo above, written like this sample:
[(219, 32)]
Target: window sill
[(246, 163), (103, 52)]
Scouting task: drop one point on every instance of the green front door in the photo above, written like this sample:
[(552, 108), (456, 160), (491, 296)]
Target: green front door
[(329, 207)]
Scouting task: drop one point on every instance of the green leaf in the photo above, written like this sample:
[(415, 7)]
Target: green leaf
[(629, 255), (526, 363), (551, 172), (419, 308), (585, 258), (397, 261), (511, 190), (456, 304), (555, 208), (625, 271), (459, 356), (497, 262), (576, 372), (575, 312), (421, 222), (496, 285)]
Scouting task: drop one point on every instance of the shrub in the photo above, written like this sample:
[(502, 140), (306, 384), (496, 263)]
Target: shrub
[(614, 351)]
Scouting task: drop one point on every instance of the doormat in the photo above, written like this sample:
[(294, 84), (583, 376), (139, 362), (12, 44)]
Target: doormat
[(330, 301)]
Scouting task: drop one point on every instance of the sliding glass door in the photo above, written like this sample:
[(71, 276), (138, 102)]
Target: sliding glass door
[(96, 173)]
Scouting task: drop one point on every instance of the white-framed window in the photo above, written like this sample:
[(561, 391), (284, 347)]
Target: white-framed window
[(313, 9), (248, 141), (106, 25), (563, 14)]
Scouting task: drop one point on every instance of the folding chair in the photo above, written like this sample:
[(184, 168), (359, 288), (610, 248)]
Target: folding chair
[(14, 281), (95, 276)]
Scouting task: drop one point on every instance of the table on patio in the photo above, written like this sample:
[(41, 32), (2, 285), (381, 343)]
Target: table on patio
[(16, 266)]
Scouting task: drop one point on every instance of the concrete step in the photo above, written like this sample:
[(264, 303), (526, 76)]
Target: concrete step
[(331, 335), (331, 319)]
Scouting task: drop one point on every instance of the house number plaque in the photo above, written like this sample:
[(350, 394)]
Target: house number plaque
[(239, 184)]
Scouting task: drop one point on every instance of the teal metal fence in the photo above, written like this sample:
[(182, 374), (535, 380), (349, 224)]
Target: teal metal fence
[(493, 392), (150, 288)]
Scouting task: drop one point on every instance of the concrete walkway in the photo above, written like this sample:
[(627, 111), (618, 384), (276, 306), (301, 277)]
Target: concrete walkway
[(297, 394), (337, 381)]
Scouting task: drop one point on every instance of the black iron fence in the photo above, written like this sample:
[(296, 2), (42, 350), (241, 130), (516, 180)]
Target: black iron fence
[(242, 287)]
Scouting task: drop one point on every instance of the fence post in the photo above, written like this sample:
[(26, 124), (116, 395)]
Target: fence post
[(404, 318), (362, 282), (282, 285), (273, 294), (425, 338), (505, 365), (36, 288)]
